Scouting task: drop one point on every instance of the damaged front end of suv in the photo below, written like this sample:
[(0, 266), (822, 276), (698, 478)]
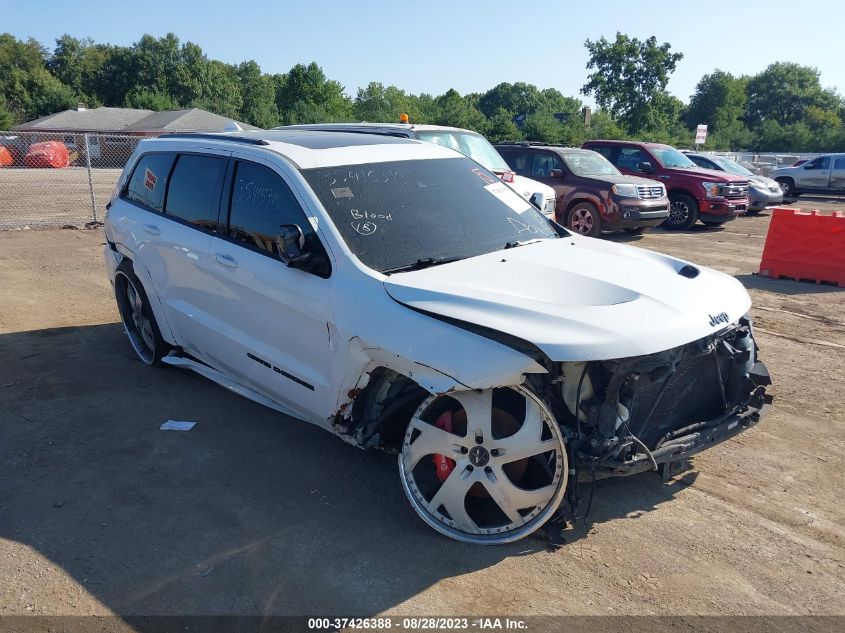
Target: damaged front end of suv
[(651, 412)]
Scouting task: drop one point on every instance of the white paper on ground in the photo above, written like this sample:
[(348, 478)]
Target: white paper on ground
[(177, 425)]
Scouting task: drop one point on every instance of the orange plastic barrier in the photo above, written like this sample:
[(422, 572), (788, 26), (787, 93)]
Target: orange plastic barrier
[(805, 245)]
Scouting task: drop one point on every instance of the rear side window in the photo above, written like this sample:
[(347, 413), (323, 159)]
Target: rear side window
[(604, 150), (194, 191), (839, 163), (261, 203), (149, 180), (630, 158), (518, 160)]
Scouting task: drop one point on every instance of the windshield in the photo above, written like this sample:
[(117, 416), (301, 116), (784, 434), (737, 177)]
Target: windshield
[(730, 166), (589, 164), (398, 213), (670, 157), (475, 146)]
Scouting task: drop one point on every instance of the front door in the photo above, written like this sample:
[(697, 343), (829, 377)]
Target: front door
[(815, 174), (275, 318)]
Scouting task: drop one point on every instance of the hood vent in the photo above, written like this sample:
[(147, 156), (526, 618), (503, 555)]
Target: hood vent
[(690, 272)]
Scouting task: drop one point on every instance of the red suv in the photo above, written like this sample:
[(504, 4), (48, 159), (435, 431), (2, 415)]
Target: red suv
[(714, 197)]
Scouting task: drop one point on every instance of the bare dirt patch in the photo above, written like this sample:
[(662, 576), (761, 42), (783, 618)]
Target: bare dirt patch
[(254, 513)]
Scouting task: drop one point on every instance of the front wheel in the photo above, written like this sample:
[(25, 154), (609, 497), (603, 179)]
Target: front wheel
[(137, 316), (584, 219), (486, 467), (683, 212), (787, 186)]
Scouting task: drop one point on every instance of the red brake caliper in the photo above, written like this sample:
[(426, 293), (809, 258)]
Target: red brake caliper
[(442, 464)]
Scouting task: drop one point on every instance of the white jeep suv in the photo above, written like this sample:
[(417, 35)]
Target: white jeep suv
[(399, 295)]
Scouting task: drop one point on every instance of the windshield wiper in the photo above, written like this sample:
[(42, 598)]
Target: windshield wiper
[(425, 262), (516, 243)]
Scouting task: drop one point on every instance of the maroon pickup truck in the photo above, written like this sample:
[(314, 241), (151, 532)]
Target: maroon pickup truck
[(714, 197)]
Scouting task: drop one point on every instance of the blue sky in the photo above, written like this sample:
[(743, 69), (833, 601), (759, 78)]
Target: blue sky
[(470, 46)]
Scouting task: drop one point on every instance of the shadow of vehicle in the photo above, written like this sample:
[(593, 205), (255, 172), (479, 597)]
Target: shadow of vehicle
[(248, 513), (785, 286)]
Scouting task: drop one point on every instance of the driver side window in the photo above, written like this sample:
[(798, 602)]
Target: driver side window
[(261, 203), (822, 162)]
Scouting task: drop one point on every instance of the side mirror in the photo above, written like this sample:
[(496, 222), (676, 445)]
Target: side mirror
[(645, 166), (538, 200), (290, 244), (556, 173)]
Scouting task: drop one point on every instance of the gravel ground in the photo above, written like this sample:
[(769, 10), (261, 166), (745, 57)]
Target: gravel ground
[(255, 513)]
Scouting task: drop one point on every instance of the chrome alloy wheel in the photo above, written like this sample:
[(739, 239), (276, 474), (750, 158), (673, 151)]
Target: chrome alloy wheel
[(678, 212), (581, 221), (136, 322), (508, 464)]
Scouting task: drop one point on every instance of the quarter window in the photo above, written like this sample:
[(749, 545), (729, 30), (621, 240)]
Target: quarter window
[(194, 191), (261, 203), (149, 180)]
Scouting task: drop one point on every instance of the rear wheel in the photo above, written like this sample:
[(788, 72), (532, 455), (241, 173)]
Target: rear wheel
[(484, 467), (137, 316), (584, 219), (683, 211)]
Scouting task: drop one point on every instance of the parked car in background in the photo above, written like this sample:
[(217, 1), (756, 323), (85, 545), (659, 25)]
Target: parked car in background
[(762, 192), (399, 295), (592, 195), (823, 174), (714, 197), (466, 142)]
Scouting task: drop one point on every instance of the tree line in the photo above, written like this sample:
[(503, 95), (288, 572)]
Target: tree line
[(783, 108)]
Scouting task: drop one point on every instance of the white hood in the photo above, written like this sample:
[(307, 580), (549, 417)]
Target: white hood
[(578, 298)]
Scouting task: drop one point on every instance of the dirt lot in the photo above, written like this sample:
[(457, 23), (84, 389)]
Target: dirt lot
[(254, 513)]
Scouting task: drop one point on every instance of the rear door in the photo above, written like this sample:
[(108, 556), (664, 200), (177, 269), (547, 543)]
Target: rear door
[(273, 329), (837, 174), (517, 158), (168, 213)]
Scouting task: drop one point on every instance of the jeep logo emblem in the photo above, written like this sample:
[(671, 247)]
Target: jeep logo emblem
[(722, 317)]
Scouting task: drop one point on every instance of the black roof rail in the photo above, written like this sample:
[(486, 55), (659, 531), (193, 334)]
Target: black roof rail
[(527, 143), (217, 137)]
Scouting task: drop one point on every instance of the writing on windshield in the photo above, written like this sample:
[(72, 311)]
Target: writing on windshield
[(393, 214)]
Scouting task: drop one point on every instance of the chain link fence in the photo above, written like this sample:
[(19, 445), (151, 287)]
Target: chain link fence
[(58, 180), (763, 164)]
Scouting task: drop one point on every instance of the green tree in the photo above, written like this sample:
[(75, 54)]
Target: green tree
[(502, 127), (458, 111), (304, 94), (377, 104), (783, 93), (519, 98), (259, 96), (718, 101), (627, 76), (221, 90), (542, 127), (150, 100)]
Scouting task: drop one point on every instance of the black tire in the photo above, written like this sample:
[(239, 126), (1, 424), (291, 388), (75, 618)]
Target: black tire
[(787, 186), (683, 212), (138, 319), (637, 230), (584, 219)]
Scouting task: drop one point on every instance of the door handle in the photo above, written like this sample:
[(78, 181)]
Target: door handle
[(152, 229), (226, 260)]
